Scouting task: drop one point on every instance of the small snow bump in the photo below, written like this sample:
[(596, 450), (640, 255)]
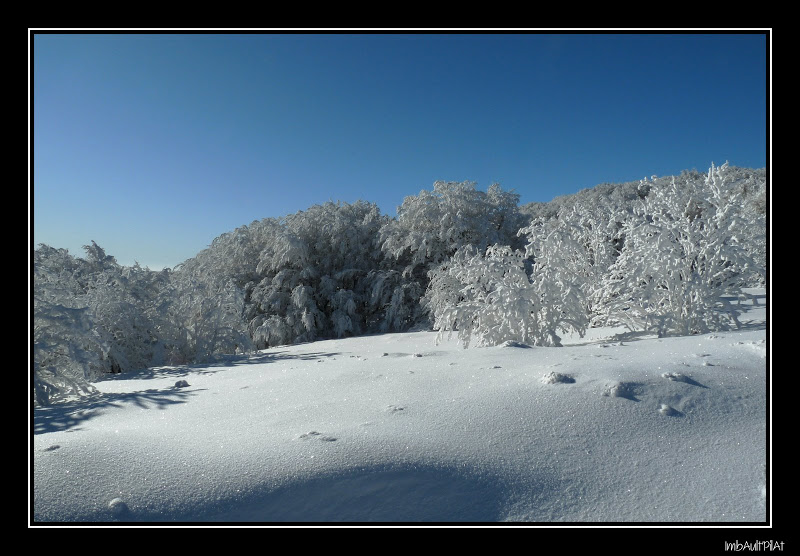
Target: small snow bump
[(620, 390), (118, 507), (557, 378), (667, 410)]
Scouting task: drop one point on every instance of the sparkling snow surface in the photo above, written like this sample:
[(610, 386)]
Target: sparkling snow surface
[(394, 428)]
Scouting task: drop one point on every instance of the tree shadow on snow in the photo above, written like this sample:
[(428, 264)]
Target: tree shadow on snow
[(273, 357), (612, 340), (69, 416), (220, 363), (753, 324)]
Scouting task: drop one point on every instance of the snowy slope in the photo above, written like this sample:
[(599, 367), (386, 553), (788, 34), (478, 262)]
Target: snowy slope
[(395, 428)]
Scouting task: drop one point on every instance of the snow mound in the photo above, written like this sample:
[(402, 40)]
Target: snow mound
[(668, 410), (621, 390), (557, 378), (118, 508)]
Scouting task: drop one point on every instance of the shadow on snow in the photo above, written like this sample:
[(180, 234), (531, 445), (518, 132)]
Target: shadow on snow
[(68, 416), (220, 363)]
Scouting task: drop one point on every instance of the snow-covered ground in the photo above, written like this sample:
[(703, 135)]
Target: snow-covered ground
[(395, 428)]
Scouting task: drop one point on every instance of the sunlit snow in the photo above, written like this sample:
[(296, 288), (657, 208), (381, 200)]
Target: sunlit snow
[(395, 428)]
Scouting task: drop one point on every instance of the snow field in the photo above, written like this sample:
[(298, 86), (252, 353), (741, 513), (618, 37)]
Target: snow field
[(394, 428)]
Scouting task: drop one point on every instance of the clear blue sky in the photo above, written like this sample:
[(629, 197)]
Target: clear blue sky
[(153, 145)]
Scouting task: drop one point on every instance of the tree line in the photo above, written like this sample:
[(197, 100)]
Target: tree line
[(660, 255)]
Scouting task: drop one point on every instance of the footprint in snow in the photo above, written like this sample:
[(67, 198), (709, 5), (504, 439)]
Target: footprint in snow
[(51, 448), (395, 408), (315, 434), (680, 377)]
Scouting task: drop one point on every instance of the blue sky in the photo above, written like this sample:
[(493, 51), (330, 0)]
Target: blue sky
[(152, 145)]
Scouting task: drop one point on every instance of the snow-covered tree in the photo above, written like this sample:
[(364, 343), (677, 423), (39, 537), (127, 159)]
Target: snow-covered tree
[(92, 316), (432, 226), (68, 349), (315, 275), (582, 241), (660, 254), (682, 256), (394, 301), (68, 352), (502, 296)]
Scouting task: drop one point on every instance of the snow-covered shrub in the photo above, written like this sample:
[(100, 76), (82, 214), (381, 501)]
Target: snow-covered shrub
[(681, 255), (497, 297), (93, 316), (580, 240), (124, 303), (206, 319), (69, 350)]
